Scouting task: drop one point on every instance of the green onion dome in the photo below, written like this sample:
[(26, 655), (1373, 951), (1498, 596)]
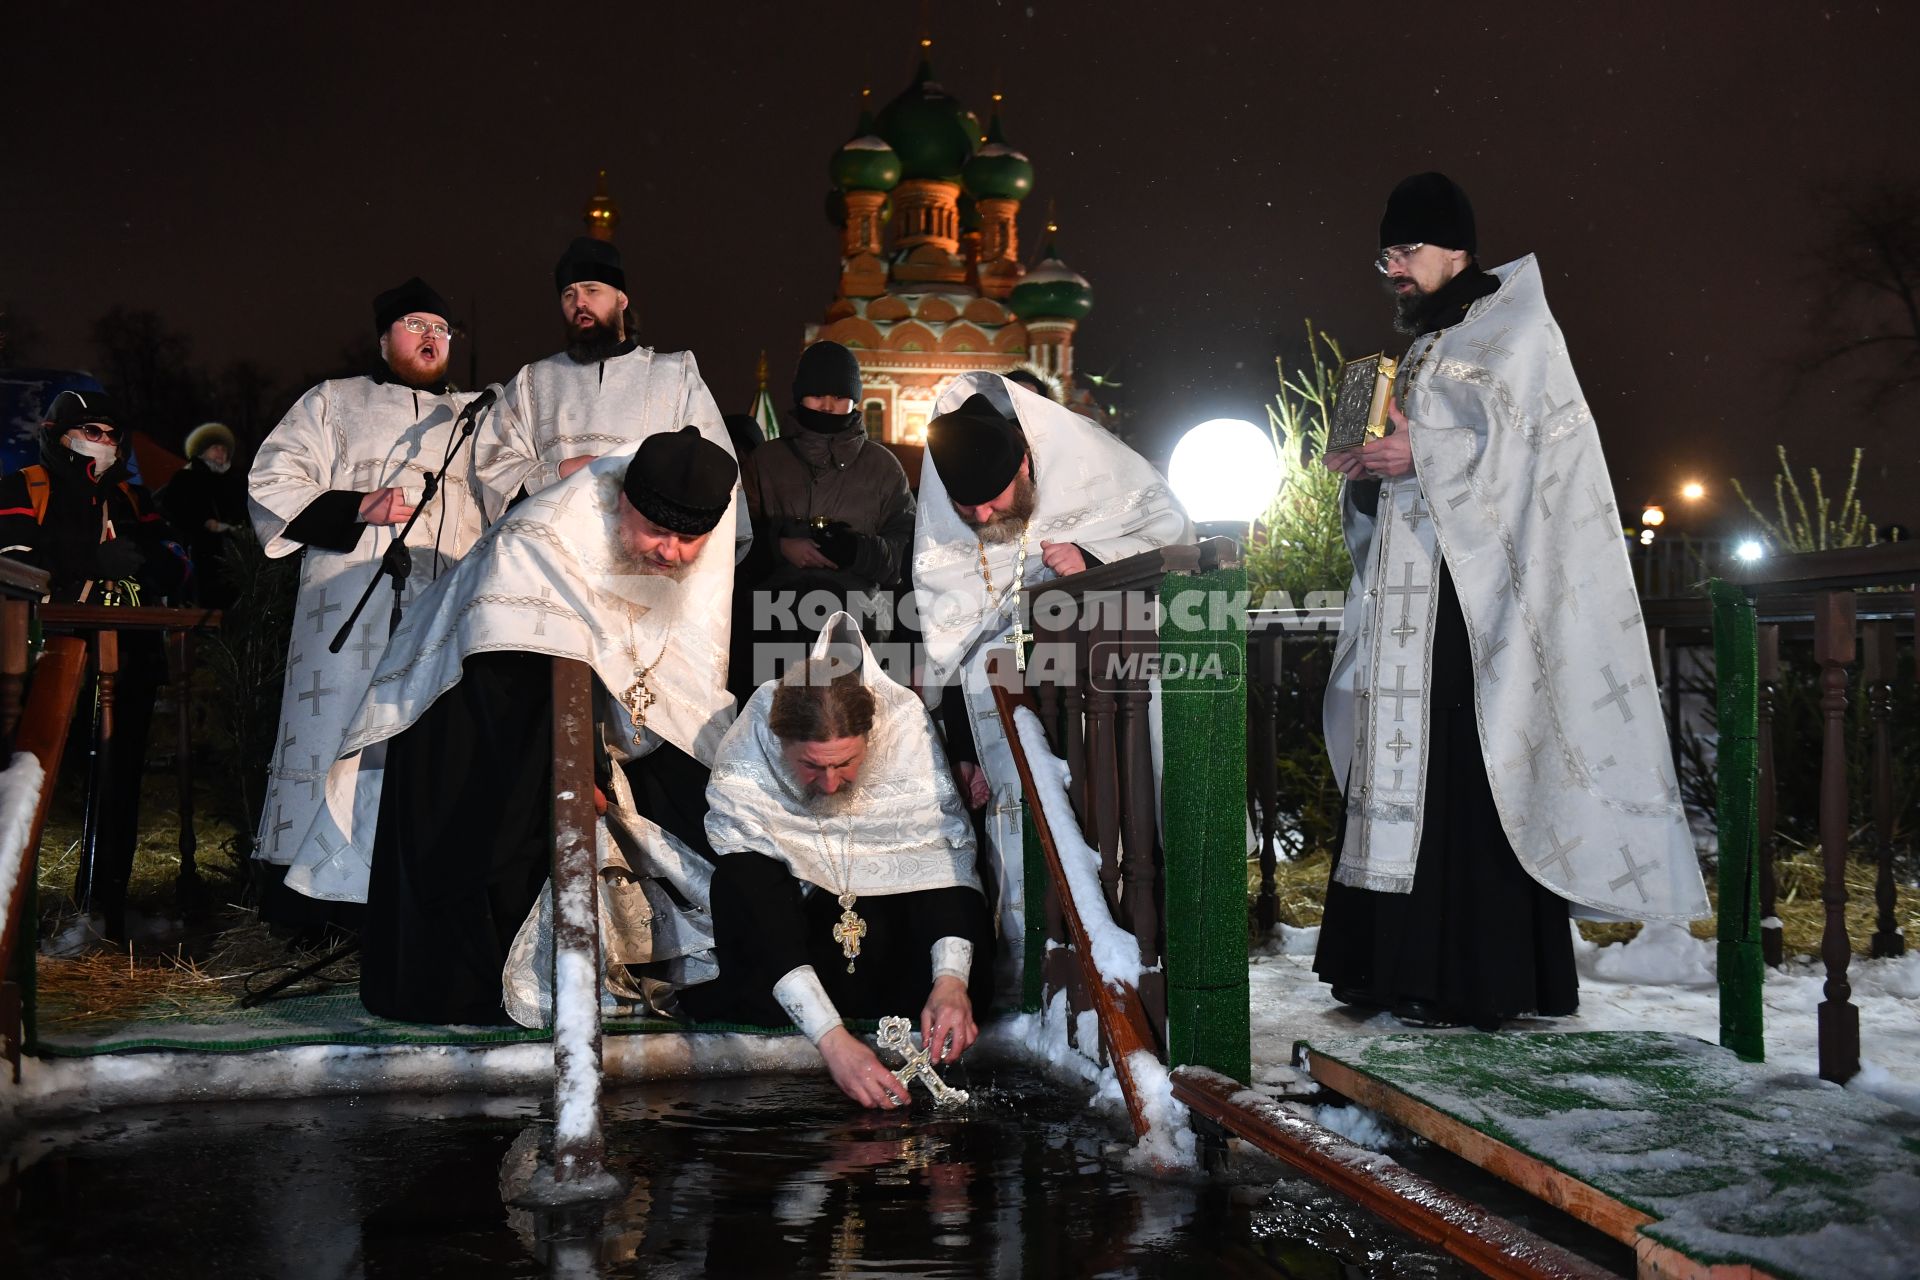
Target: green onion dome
[(928, 128), (865, 163), (997, 171), (1052, 291)]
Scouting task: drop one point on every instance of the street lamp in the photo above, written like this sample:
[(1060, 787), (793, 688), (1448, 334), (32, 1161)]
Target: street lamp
[(1653, 517), (1693, 491), (1225, 474), (1749, 551)]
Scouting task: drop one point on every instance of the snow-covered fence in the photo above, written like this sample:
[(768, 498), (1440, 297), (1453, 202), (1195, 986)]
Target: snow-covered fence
[(1127, 657)]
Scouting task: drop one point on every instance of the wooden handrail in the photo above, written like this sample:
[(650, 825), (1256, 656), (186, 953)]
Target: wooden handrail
[(51, 698), (1123, 1021), (1890, 564)]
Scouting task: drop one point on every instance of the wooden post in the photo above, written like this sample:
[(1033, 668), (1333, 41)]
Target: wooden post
[(106, 672), (1887, 939), (578, 1147), (1103, 763), (187, 881), (1833, 645), (15, 619), (57, 679), (1772, 937)]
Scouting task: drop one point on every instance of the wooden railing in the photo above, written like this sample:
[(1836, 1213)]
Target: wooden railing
[(1832, 583), (101, 626), (1289, 652), (1098, 647)]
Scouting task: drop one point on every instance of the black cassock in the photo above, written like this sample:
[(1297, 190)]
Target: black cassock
[(1477, 936), (767, 922), (464, 840)]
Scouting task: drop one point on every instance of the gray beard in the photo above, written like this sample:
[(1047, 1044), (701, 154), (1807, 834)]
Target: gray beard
[(822, 805), (1011, 523)]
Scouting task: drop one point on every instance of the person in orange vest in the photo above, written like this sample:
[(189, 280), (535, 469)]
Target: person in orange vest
[(77, 515)]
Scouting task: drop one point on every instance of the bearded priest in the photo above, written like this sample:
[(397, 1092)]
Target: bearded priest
[(1491, 714), (335, 482), (1016, 491), (600, 393), (846, 883), (437, 808)]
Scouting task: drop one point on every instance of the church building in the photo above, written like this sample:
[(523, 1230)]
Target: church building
[(931, 282)]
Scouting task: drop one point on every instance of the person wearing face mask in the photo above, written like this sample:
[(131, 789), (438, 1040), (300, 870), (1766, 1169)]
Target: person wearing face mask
[(602, 392), (207, 502), (77, 515), (832, 515)]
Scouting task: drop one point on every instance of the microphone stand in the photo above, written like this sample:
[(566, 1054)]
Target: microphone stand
[(397, 561)]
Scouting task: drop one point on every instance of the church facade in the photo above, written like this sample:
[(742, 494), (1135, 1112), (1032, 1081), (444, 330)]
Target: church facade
[(931, 283)]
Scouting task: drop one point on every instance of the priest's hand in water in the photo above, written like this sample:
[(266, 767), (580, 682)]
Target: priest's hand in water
[(386, 506), (567, 466), (973, 784), (1062, 557), (859, 1072), (946, 1024)]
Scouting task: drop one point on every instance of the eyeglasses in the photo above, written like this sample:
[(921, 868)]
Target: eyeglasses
[(95, 431), (1396, 255), (414, 324)]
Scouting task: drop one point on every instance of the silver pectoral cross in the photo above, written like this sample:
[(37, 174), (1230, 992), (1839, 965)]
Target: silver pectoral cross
[(896, 1034)]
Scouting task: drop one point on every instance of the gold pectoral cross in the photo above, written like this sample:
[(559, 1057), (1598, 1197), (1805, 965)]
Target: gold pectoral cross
[(638, 699), (849, 930)]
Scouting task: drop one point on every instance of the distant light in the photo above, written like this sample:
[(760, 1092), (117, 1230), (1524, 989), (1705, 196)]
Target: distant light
[(1749, 551), (1646, 537), (1693, 491), (1225, 469), (1653, 515)]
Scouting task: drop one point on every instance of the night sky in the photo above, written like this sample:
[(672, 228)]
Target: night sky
[(257, 173)]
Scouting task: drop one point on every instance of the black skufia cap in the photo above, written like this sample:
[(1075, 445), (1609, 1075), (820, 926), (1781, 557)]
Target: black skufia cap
[(589, 259), (977, 450), (405, 299), (1429, 208), (71, 409), (681, 481), (827, 369)]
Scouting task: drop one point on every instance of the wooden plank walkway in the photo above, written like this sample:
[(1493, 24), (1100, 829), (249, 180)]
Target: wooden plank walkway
[(1705, 1165)]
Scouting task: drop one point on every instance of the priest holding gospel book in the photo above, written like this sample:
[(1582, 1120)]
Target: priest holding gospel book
[(1491, 713)]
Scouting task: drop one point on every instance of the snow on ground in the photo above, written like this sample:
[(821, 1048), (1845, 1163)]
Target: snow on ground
[(1663, 980)]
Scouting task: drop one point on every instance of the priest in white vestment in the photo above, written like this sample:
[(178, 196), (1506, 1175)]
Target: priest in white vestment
[(845, 884), (603, 392), (1015, 491), (437, 810), (337, 479), (1491, 715)]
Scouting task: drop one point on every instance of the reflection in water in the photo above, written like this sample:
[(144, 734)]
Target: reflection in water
[(745, 1177)]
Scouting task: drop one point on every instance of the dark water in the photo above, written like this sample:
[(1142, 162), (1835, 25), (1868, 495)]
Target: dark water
[(768, 1176)]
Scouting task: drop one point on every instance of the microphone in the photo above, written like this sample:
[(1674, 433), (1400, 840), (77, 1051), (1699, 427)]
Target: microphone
[(480, 403)]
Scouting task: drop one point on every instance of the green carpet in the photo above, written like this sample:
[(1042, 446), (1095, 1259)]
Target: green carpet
[(327, 1018), (1738, 1163)]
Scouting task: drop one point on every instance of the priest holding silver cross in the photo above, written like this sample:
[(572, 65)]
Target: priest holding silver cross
[(846, 883), (1491, 713)]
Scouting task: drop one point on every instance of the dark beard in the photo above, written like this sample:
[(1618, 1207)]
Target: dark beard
[(1411, 309), (590, 346)]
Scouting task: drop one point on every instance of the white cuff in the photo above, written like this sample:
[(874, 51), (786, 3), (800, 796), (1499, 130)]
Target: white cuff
[(806, 1002), (953, 958)]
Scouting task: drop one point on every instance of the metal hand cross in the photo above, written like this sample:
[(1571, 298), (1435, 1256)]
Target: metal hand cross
[(896, 1034)]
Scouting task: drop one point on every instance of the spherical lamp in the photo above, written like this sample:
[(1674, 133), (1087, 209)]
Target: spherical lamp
[(1225, 473)]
